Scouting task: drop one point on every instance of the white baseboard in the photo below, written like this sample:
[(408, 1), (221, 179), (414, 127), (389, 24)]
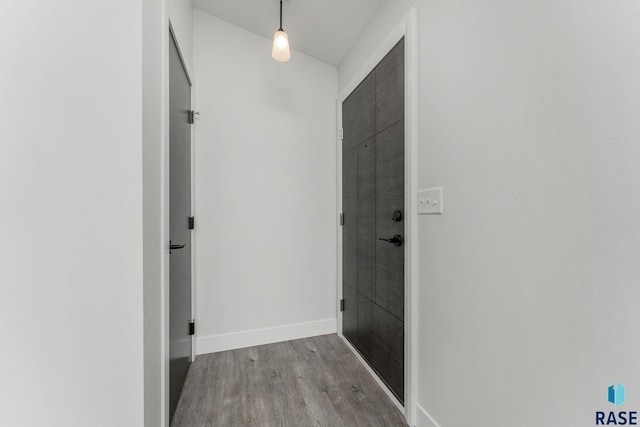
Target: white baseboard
[(424, 419), (242, 339)]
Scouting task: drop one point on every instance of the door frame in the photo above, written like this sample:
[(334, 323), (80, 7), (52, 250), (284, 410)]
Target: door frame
[(407, 27), (189, 75), (166, 218)]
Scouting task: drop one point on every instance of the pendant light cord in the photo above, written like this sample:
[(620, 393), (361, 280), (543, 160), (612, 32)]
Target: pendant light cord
[(280, 29)]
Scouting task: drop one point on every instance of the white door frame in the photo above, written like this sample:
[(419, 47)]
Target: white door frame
[(407, 28), (188, 72), (164, 313)]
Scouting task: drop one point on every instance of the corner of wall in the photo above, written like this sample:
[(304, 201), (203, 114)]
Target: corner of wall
[(423, 419), (385, 19), (181, 17)]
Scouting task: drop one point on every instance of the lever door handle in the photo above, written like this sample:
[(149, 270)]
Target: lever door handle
[(173, 247), (395, 240)]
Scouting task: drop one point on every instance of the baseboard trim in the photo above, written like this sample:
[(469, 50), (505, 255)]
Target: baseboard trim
[(424, 419), (242, 339)]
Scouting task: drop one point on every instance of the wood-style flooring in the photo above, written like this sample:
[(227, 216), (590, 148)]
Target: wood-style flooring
[(302, 383)]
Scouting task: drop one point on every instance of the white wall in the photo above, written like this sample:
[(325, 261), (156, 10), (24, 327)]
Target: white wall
[(530, 117), (265, 189), (155, 45), (388, 15), (181, 15), (71, 214)]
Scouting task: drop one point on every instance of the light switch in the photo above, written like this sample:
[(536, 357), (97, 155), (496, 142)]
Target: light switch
[(430, 201)]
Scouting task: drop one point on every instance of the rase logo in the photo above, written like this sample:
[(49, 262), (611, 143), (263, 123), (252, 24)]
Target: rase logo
[(620, 418), (616, 394)]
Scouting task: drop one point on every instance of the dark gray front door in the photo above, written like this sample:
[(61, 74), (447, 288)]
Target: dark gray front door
[(180, 235), (373, 207)]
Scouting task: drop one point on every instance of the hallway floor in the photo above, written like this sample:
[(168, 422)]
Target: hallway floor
[(302, 383)]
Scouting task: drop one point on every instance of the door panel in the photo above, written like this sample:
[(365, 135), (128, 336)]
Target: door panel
[(350, 227), (373, 191), (390, 198), (180, 211), (366, 218), (381, 342), (390, 88), (359, 110), (350, 314)]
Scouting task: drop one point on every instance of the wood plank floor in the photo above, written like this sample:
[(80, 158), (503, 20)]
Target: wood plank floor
[(302, 383)]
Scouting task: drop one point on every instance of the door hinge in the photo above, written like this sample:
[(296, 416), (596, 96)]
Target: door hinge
[(341, 219), (340, 134), (192, 223), (192, 327), (342, 305), (192, 116)]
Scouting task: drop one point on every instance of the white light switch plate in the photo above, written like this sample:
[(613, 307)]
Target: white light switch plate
[(430, 201)]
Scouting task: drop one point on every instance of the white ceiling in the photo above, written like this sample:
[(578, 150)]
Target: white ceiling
[(323, 29)]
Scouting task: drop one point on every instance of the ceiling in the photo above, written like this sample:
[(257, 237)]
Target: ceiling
[(323, 29)]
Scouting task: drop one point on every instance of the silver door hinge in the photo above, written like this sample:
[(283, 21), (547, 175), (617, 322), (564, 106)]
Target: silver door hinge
[(340, 134), (341, 219), (342, 305)]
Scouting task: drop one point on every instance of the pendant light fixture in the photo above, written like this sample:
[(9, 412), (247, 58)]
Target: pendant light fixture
[(281, 52)]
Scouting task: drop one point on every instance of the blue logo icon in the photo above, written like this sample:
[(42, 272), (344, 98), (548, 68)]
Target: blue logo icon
[(616, 394)]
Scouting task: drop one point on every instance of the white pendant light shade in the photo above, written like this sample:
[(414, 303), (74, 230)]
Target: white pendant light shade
[(281, 52)]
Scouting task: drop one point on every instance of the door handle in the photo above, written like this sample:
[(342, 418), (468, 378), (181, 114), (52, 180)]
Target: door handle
[(173, 247), (396, 240)]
